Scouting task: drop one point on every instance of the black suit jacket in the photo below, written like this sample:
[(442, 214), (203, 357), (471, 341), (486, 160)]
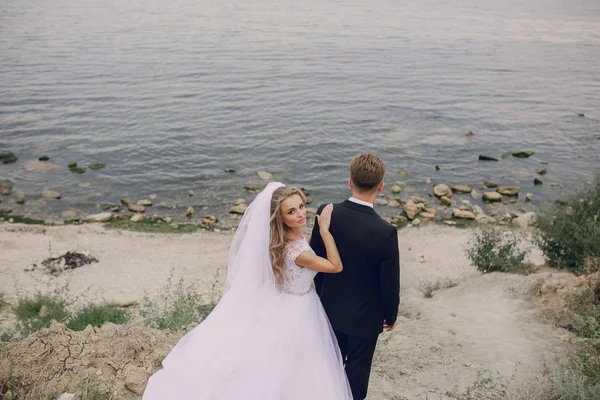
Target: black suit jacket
[(367, 291)]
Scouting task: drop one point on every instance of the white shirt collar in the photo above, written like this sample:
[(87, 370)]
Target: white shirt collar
[(362, 203)]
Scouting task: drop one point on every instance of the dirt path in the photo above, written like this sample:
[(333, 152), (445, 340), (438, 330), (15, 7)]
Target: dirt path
[(483, 324)]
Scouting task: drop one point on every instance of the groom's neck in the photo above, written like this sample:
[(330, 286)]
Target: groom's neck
[(368, 197)]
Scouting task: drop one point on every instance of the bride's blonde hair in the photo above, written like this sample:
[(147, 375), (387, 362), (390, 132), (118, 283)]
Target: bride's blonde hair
[(279, 231)]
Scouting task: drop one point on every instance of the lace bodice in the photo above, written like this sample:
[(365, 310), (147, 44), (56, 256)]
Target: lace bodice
[(298, 280)]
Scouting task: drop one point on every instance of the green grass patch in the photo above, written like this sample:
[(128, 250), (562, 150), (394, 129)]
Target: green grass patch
[(19, 219), (98, 315), (36, 313), (177, 308)]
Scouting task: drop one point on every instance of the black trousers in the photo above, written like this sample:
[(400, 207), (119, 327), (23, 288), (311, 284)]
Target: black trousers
[(357, 354)]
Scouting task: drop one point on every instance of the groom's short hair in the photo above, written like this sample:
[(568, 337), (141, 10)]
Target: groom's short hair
[(366, 171)]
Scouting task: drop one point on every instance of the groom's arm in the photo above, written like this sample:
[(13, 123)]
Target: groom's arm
[(316, 243), (389, 279)]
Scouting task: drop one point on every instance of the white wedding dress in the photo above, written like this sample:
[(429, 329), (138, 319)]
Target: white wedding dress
[(262, 341)]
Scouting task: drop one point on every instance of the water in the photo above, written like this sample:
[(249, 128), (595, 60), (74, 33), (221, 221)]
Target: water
[(170, 93)]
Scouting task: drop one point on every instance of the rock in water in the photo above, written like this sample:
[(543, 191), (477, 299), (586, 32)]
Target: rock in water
[(101, 217), (394, 203), (44, 158), (136, 208), (6, 187), (72, 164), (51, 194), (264, 175), (411, 209), (442, 190), (487, 158), (229, 170), (125, 201), (253, 188), (239, 209), (7, 157), (492, 196), (463, 214), (538, 181), (381, 202), (137, 218), (475, 194), (210, 220), (237, 202), (97, 166), (529, 196), (191, 193), (445, 200), (523, 154), (541, 171), (509, 190), (416, 222), (190, 211), (461, 188), (396, 189), (78, 170), (40, 166), (145, 203)]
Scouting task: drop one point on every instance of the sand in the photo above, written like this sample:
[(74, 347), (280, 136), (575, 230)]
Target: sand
[(485, 324)]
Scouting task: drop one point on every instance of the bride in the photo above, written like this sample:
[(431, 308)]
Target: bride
[(269, 337)]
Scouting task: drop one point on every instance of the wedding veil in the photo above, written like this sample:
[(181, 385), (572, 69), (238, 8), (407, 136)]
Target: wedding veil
[(249, 271)]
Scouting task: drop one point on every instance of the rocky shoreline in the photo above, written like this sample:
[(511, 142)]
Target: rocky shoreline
[(400, 204)]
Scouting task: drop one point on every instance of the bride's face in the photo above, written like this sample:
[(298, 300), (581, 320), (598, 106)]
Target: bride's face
[(293, 212)]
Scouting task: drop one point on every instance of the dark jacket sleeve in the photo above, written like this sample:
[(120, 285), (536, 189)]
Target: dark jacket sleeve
[(389, 279), (316, 243)]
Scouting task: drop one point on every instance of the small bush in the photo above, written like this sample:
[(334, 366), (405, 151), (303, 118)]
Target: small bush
[(178, 307), (3, 302), (568, 232), (429, 289), (486, 386), (98, 315), (35, 314), (492, 250), (577, 378)]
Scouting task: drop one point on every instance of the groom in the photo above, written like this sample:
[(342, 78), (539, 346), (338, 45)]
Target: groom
[(363, 299)]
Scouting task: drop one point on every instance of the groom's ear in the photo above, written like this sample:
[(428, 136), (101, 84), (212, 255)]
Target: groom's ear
[(380, 187), (350, 183)]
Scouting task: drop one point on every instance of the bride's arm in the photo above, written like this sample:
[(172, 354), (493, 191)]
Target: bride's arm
[(333, 262)]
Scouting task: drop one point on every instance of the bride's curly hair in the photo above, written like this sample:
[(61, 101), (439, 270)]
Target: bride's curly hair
[(279, 231)]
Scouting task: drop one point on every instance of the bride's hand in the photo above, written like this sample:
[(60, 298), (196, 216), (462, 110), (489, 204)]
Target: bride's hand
[(325, 218)]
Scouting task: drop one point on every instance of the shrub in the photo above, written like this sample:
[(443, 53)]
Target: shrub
[(178, 307), (36, 313), (429, 289), (98, 315), (568, 232), (491, 249)]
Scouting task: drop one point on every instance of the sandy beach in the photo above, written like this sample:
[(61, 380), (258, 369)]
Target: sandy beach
[(485, 324)]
